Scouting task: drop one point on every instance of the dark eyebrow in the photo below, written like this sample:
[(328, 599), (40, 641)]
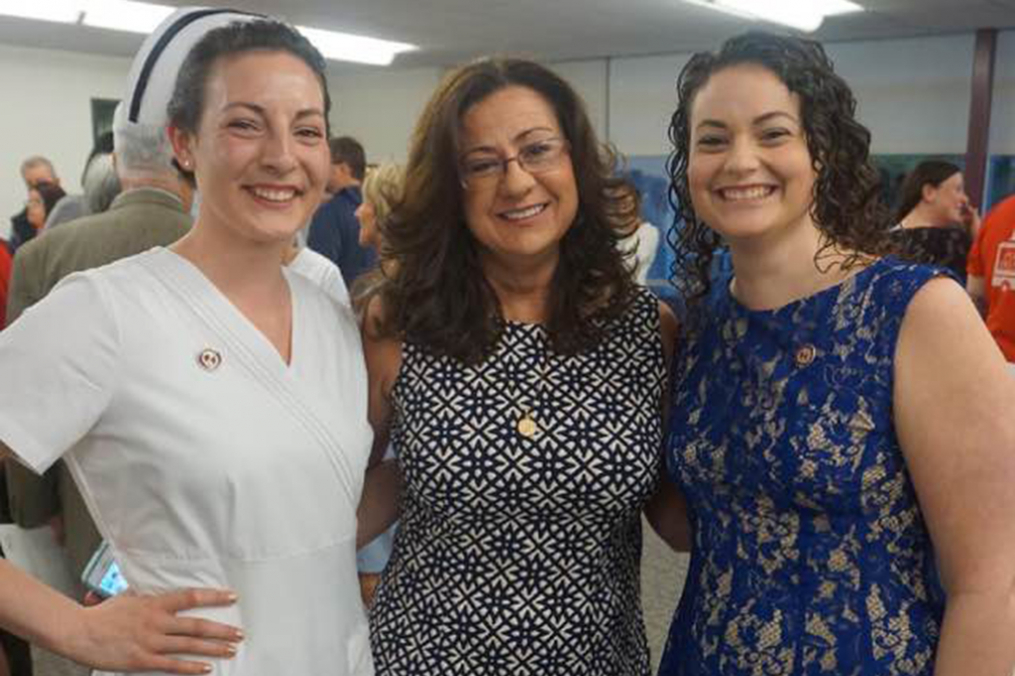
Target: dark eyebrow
[(761, 119), (711, 123), (768, 117), (519, 138), (306, 112), (529, 132)]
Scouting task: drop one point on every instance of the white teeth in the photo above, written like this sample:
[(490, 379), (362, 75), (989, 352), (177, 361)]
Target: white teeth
[(753, 193), (522, 214), (274, 195)]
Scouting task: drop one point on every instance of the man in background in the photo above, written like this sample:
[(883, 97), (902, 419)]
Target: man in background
[(334, 230), (34, 170), (991, 280)]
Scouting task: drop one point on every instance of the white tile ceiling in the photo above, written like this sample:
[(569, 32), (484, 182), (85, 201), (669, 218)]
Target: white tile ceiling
[(449, 31)]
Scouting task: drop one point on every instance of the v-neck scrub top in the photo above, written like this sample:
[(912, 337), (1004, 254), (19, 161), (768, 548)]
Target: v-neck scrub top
[(205, 459)]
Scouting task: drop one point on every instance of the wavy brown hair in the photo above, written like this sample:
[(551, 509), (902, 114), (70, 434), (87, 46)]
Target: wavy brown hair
[(435, 292), (928, 172), (846, 209)]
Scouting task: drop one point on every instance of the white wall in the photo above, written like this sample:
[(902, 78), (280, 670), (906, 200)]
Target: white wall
[(1002, 116), (589, 79), (914, 96), (47, 111), (642, 99), (379, 108)]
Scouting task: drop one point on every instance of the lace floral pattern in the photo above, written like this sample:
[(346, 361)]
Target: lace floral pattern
[(811, 555)]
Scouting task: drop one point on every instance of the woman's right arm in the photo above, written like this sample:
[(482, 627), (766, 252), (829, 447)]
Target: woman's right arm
[(666, 510), (128, 633), (378, 507)]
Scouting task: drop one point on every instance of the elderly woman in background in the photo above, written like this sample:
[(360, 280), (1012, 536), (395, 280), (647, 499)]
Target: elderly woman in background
[(520, 372), (935, 223), (382, 190), (42, 198), (99, 182)]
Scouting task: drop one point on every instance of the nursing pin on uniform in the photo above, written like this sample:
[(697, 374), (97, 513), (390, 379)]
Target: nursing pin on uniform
[(209, 359)]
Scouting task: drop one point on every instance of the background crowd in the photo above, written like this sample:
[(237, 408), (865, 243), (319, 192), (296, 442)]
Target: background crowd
[(451, 368)]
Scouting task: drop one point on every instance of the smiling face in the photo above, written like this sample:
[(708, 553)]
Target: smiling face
[(948, 201), (749, 170), (260, 153), (35, 209), (517, 216)]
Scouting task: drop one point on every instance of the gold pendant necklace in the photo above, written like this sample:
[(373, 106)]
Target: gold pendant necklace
[(526, 426)]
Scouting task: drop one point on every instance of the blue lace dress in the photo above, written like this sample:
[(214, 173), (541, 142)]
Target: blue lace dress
[(810, 554)]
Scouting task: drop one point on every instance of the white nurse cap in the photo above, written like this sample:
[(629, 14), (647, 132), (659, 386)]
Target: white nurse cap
[(156, 65)]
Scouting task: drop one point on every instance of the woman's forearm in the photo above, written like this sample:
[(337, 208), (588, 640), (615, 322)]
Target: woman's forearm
[(978, 635), (666, 511), (378, 507), (35, 612)]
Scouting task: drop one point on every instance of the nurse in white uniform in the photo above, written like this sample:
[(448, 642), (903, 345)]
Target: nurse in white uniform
[(211, 404)]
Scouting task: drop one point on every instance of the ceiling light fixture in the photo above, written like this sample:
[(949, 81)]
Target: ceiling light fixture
[(144, 17), (804, 15), (62, 11), (358, 48), (124, 15)]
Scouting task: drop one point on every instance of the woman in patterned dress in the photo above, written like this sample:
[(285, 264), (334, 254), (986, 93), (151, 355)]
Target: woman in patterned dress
[(841, 422), (520, 372)]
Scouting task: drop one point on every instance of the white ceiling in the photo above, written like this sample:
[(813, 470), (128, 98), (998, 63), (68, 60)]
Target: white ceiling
[(450, 31)]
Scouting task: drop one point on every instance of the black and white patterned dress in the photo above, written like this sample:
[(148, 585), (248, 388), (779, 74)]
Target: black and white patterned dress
[(519, 555)]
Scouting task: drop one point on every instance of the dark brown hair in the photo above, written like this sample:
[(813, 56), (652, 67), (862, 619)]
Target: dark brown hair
[(435, 292), (846, 207), (187, 102), (928, 172), (347, 150)]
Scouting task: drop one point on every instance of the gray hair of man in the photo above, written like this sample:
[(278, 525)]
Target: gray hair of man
[(100, 182), (143, 151), (37, 161)]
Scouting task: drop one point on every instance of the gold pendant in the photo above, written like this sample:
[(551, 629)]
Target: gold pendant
[(527, 426)]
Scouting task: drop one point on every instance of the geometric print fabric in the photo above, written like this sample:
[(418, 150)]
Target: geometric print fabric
[(518, 555)]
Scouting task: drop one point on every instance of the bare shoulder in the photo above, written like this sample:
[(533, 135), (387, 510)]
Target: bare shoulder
[(949, 372), (952, 403), (382, 349)]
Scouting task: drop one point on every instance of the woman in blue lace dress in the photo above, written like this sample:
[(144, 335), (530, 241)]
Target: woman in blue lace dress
[(841, 422)]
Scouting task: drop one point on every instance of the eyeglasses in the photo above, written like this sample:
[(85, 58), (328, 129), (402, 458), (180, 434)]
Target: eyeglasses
[(484, 169)]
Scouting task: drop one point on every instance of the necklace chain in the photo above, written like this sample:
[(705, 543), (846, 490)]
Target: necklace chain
[(526, 423)]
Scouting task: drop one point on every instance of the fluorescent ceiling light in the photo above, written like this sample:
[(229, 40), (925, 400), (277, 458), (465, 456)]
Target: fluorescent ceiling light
[(63, 11), (358, 48), (804, 15), (144, 17), (124, 15)]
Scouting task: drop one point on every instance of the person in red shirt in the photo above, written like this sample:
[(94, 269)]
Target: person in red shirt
[(991, 280), (5, 280)]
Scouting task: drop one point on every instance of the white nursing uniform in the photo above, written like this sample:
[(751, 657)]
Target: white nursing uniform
[(323, 272), (205, 459)]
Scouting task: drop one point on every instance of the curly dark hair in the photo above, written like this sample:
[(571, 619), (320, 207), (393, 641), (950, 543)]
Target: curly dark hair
[(435, 292), (928, 172), (846, 209)]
